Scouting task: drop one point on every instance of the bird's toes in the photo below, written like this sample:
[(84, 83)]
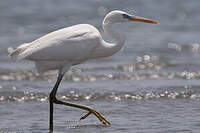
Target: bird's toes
[(85, 116)]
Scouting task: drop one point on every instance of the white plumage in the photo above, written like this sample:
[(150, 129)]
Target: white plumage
[(73, 45)]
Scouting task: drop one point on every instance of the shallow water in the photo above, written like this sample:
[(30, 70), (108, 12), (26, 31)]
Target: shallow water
[(151, 85)]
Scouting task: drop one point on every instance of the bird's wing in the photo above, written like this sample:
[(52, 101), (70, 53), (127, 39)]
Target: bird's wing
[(74, 43)]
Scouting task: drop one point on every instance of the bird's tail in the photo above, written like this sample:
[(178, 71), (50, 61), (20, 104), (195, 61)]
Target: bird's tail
[(16, 52)]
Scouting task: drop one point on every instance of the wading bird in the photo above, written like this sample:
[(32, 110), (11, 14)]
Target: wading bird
[(74, 45)]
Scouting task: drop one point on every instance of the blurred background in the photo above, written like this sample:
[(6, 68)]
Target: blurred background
[(151, 85)]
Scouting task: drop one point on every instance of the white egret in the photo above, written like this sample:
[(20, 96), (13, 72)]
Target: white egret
[(74, 45)]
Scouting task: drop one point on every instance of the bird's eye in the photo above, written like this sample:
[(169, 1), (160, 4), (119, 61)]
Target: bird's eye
[(126, 16)]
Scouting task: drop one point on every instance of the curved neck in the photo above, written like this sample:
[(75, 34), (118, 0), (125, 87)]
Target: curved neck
[(119, 39)]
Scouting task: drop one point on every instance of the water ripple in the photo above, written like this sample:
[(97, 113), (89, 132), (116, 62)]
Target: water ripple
[(96, 96), (75, 77)]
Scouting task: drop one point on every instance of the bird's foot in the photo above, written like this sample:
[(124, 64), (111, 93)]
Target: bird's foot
[(85, 116), (98, 115)]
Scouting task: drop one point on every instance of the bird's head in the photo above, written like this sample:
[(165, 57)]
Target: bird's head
[(121, 16)]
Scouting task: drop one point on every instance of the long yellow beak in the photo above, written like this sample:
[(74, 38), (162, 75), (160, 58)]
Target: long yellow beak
[(142, 19)]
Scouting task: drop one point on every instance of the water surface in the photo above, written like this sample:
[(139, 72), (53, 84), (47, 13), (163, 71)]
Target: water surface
[(151, 85)]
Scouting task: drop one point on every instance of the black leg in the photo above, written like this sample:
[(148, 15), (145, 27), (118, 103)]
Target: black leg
[(51, 116), (52, 98)]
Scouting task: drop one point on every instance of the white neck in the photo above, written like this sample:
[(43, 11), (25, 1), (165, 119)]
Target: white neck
[(119, 39)]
